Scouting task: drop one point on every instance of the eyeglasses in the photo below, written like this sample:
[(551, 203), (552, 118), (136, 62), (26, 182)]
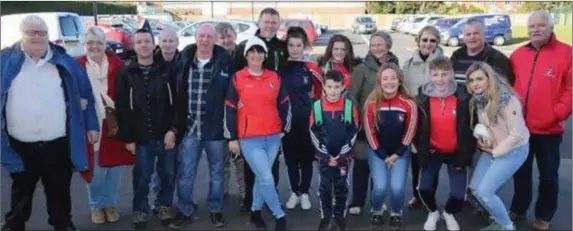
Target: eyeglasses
[(92, 42), (36, 32), (430, 40)]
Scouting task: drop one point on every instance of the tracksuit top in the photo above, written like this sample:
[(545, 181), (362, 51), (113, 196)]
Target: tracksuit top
[(397, 122), (443, 136), (334, 137), (256, 106), (303, 81)]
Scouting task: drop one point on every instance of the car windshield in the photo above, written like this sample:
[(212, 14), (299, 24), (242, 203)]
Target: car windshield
[(364, 19), (291, 23), (447, 22)]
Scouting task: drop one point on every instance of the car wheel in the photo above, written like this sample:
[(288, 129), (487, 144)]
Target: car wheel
[(498, 40), (453, 42)]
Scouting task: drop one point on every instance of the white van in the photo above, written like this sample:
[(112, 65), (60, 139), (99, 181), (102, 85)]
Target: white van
[(64, 28)]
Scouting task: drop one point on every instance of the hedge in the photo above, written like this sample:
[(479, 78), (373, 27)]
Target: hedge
[(79, 7)]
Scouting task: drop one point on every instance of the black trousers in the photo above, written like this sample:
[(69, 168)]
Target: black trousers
[(49, 162), (333, 177), (415, 165), (250, 181), (299, 156), (360, 180)]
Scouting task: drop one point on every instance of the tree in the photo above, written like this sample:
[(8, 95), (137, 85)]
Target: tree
[(528, 7), (381, 7), (474, 9)]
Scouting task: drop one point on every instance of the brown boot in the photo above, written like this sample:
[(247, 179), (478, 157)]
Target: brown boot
[(111, 214), (516, 217), (98, 216), (540, 225)]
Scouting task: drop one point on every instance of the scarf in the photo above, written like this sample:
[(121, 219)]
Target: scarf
[(481, 99), (98, 79)]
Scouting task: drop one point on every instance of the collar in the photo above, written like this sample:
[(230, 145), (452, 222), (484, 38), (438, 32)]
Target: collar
[(44, 59), (551, 40)]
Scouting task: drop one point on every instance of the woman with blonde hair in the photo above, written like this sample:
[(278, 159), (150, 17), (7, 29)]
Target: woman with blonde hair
[(503, 139), (390, 121), (416, 71), (107, 155)]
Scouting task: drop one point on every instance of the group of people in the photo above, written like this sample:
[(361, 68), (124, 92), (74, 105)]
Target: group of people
[(483, 115)]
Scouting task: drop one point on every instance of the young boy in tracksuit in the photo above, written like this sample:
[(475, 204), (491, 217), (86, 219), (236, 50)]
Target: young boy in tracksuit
[(333, 127)]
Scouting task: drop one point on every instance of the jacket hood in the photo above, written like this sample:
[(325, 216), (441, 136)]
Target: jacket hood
[(372, 62), (258, 34), (437, 53), (429, 89), (189, 52), (157, 52)]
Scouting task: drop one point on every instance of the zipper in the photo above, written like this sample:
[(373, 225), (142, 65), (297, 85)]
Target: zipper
[(529, 84), (246, 125), (131, 98), (276, 61), (170, 96)]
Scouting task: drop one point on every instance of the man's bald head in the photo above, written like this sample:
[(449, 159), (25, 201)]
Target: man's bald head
[(205, 38), (168, 42), (206, 28)]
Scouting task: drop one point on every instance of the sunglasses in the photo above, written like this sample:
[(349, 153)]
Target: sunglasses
[(36, 32), (430, 40)]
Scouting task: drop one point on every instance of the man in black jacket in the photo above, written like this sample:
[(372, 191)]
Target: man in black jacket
[(202, 82), (269, 22), (476, 48), (144, 103)]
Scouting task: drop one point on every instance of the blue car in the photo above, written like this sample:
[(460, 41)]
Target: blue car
[(497, 29)]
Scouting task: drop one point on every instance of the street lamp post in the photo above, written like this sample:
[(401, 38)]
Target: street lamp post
[(95, 12)]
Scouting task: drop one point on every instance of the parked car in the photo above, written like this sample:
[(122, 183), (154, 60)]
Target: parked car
[(395, 23), (115, 32), (363, 24), (420, 23), (64, 28), (497, 30), (320, 29), (305, 24), (405, 23), (118, 48), (244, 29)]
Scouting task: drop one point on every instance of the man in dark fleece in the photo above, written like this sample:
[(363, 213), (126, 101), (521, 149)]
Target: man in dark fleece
[(475, 48), (276, 59)]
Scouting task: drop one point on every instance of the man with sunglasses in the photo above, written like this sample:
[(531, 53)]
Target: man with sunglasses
[(48, 106), (476, 48)]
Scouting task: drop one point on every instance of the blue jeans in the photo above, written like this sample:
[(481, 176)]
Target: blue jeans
[(260, 153), (155, 184), (379, 173), (190, 152), (545, 150), (490, 174), (145, 155), (458, 182), (103, 191)]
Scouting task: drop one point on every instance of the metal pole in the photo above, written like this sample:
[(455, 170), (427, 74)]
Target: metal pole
[(212, 10), (95, 12), (252, 10)]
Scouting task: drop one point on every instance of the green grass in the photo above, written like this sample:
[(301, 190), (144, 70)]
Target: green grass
[(563, 33)]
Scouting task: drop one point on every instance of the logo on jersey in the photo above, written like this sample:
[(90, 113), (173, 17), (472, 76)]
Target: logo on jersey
[(549, 73), (454, 112), (272, 85), (401, 118), (305, 78)]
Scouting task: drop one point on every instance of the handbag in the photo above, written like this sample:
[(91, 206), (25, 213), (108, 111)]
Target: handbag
[(110, 121)]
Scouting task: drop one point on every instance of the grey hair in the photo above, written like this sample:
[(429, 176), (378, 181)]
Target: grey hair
[(32, 20), (387, 38), (542, 14), (97, 32), (167, 30), (210, 25), (430, 29), (476, 22), (223, 27)]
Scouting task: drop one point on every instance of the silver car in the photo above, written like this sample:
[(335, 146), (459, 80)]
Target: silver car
[(244, 28)]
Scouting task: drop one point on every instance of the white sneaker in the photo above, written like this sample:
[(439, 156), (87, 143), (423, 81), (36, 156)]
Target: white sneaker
[(432, 221), (355, 210), (451, 221), (293, 201), (384, 209), (305, 202)]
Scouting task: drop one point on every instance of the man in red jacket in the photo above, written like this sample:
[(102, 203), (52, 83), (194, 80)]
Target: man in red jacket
[(543, 81)]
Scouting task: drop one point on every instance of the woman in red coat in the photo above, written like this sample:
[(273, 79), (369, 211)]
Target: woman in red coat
[(108, 154)]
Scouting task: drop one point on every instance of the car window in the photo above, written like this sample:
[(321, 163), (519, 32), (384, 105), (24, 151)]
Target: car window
[(418, 19), (242, 27), (71, 26), (288, 24), (434, 18), (190, 31), (365, 19)]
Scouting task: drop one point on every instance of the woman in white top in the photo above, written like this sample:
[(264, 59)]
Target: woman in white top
[(502, 137)]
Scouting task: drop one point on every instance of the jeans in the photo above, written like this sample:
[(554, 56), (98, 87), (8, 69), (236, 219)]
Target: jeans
[(103, 191), (545, 149), (145, 155), (382, 177), (490, 174), (190, 152), (458, 182), (260, 153)]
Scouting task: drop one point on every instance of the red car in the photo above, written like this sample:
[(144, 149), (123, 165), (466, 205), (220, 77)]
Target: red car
[(303, 23), (115, 32)]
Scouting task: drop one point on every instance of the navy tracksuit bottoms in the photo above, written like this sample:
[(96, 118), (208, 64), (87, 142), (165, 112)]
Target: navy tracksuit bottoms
[(333, 178)]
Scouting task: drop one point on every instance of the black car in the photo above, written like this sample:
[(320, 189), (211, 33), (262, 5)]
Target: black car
[(117, 48)]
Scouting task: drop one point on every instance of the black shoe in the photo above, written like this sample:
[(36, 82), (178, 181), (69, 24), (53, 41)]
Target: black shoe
[(377, 222), (280, 224), (180, 220), (139, 220), (245, 208), (395, 222), (70, 227), (341, 224), (20, 228), (257, 220), (217, 220), (324, 224)]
